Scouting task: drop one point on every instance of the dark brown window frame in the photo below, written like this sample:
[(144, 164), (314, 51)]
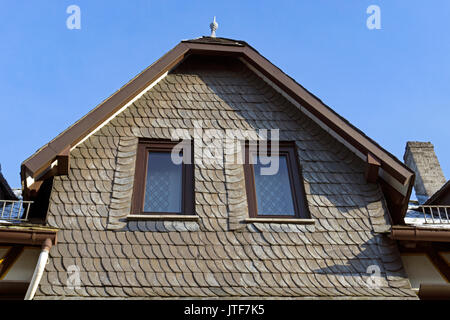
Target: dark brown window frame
[(288, 149), (140, 177)]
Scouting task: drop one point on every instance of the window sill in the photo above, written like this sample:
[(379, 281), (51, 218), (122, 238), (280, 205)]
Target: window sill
[(164, 217), (280, 220)]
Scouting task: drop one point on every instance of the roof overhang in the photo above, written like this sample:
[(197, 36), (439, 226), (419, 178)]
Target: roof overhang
[(433, 291), (395, 175), (13, 290), (27, 235), (6, 190), (413, 233), (438, 196)]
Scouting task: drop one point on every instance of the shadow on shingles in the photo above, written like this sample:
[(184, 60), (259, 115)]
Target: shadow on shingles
[(209, 68)]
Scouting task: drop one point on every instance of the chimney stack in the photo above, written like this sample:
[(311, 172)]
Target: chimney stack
[(421, 158)]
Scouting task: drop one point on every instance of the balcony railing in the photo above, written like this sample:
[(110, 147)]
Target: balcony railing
[(14, 211), (431, 215)]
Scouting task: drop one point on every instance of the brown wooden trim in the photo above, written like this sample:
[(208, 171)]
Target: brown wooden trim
[(46, 174), (287, 149), (13, 290), (440, 263), (30, 237), (145, 146), (280, 220), (328, 116), (312, 103), (423, 246), (45, 156), (420, 234), (443, 251), (9, 259), (434, 291), (397, 203), (63, 159), (249, 177), (372, 167), (60, 169)]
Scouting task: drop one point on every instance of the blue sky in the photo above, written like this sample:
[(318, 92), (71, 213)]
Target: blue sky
[(393, 83)]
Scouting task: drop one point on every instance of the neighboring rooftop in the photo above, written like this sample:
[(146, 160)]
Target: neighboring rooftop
[(422, 159), (442, 196), (6, 192), (433, 194), (437, 217)]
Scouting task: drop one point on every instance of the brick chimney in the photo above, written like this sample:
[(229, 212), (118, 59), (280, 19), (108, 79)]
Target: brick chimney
[(421, 158)]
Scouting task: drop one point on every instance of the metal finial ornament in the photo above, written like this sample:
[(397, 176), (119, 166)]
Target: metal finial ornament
[(214, 26)]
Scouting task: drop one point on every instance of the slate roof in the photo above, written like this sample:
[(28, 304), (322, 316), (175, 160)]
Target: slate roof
[(442, 192), (6, 192), (219, 255)]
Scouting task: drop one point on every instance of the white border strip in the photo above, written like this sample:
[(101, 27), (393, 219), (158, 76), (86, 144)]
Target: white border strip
[(121, 109), (30, 180)]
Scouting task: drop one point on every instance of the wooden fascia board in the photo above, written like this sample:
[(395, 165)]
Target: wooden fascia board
[(361, 142), (434, 291), (63, 160), (372, 167), (14, 290), (37, 163), (313, 104), (27, 236), (412, 233)]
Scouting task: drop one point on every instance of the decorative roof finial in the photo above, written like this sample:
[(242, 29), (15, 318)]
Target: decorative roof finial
[(213, 26)]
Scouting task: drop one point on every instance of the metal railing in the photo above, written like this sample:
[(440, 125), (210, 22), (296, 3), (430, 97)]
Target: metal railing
[(14, 211), (434, 214)]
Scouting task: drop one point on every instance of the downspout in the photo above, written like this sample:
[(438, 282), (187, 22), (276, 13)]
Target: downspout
[(39, 270)]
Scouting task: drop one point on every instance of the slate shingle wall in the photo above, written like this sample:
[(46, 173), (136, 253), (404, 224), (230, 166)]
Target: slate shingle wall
[(218, 256)]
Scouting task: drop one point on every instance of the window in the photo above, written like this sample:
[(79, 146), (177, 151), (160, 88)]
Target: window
[(279, 194), (163, 186)]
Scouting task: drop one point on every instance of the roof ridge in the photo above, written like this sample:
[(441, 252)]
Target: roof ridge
[(436, 195), (217, 40)]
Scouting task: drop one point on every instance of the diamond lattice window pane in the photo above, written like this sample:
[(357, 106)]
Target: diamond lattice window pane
[(163, 187), (273, 192)]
